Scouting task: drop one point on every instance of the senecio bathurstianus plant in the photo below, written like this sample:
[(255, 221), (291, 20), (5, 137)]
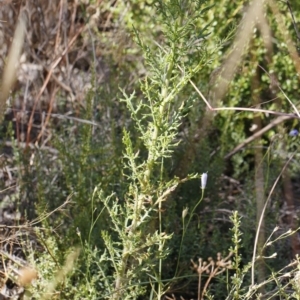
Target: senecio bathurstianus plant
[(137, 250)]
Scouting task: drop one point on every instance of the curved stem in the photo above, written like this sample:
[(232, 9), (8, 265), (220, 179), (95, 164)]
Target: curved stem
[(185, 229)]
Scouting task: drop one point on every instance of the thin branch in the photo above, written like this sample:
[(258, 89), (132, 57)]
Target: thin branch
[(257, 135), (292, 104), (293, 18)]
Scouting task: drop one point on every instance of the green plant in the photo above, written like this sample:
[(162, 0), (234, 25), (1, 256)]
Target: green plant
[(140, 148), (137, 219)]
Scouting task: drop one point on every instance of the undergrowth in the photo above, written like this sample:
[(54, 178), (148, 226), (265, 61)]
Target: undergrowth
[(126, 198)]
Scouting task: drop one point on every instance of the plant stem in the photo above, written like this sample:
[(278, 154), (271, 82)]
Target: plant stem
[(185, 229)]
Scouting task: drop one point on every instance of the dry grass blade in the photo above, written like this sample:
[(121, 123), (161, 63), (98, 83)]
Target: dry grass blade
[(241, 41), (9, 73)]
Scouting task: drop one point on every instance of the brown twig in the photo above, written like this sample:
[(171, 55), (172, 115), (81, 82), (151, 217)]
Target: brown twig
[(293, 19), (57, 40), (257, 135), (48, 115)]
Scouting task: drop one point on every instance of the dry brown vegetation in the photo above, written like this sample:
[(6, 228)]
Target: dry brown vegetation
[(56, 62), (53, 77)]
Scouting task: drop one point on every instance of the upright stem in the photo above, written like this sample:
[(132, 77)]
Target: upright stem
[(185, 229), (157, 124), (259, 182), (159, 251)]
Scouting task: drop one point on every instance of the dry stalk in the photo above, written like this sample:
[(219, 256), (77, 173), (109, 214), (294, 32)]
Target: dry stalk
[(212, 268), (10, 69)]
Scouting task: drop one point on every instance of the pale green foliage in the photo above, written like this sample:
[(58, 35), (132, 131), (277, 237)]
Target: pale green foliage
[(157, 117), (125, 224), (237, 279), (238, 287), (46, 266)]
